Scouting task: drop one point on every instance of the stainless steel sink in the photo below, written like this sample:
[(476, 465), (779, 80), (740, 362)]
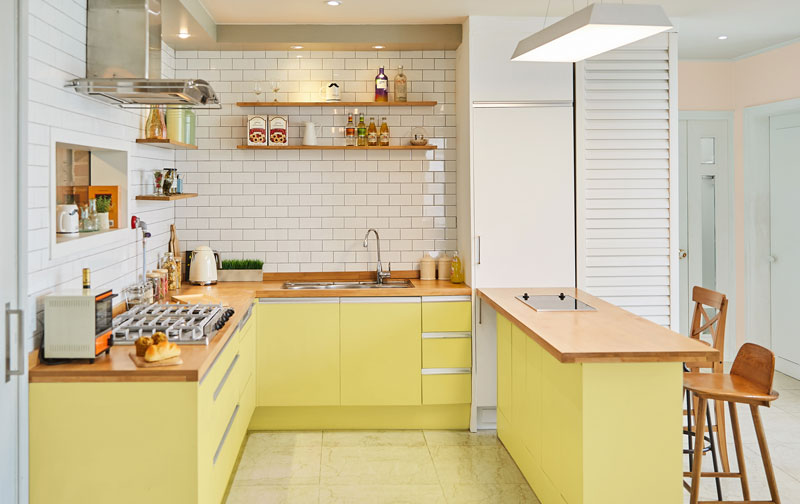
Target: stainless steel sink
[(387, 283)]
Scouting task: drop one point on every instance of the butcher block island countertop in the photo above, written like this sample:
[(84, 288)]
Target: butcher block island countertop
[(609, 334), (197, 359)]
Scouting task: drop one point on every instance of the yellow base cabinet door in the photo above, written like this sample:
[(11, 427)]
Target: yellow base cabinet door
[(503, 371), (446, 314), (381, 351), (298, 352)]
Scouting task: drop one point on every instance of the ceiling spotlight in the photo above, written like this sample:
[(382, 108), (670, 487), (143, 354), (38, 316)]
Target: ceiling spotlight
[(184, 35), (296, 47), (334, 3), (378, 47), (722, 37)]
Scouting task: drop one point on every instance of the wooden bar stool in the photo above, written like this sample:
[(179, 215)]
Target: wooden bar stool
[(702, 322), (749, 382)]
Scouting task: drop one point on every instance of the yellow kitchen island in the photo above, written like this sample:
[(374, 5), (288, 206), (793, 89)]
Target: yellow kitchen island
[(589, 403)]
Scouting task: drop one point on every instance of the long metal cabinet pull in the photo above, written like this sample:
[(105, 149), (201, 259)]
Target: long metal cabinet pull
[(20, 332), (478, 249)]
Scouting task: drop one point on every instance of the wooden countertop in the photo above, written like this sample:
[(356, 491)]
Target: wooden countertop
[(118, 367), (609, 334)]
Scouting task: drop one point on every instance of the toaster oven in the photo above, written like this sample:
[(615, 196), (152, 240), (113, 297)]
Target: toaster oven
[(77, 325)]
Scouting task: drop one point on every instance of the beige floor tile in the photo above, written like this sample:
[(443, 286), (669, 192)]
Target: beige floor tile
[(262, 464), (373, 438), (295, 494), (461, 438), (475, 465), (383, 465), (290, 438), (382, 494), (489, 494), (785, 382)]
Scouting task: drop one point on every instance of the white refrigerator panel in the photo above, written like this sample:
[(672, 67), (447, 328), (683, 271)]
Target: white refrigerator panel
[(524, 196)]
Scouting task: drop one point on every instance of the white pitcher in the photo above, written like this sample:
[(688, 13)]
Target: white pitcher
[(310, 134)]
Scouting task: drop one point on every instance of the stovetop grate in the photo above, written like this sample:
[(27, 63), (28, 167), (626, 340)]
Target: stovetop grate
[(184, 324)]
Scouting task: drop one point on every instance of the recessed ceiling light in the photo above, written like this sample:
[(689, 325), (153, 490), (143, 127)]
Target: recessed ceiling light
[(184, 35), (378, 47), (296, 47), (722, 37), (334, 3)]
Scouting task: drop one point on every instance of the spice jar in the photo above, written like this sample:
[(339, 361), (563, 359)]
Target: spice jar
[(173, 275), (444, 266), (154, 280), (427, 267), (164, 274)]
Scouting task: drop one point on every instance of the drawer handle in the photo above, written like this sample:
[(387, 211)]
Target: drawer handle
[(225, 434), (221, 351), (445, 335), (446, 299), (225, 378), (446, 371)]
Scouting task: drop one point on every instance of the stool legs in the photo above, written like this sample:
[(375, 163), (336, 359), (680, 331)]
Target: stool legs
[(722, 435), (713, 450), (737, 440), (762, 444), (702, 404)]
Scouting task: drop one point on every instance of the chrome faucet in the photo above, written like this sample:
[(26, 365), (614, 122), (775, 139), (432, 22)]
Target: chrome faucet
[(380, 275)]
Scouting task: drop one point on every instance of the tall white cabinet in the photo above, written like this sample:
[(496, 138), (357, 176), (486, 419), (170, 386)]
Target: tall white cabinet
[(516, 165)]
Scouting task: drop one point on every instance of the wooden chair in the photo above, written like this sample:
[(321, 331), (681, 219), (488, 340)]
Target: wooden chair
[(701, 322), (749, 382)]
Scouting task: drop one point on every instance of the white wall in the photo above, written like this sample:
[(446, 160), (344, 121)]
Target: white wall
[(309, 210), (57, 53)]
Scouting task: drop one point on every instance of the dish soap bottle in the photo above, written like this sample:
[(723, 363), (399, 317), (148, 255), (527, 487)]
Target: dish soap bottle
[(427, 267), (456, 269)]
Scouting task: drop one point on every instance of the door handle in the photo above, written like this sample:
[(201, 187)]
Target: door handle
[(682, 254), (20, 331), (772, 258), (478, 249)]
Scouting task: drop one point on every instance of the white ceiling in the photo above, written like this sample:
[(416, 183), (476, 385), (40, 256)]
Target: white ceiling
[(751, 25)]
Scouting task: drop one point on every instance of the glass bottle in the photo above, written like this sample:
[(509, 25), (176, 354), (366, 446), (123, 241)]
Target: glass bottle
[(381, 87), (93, 224), (456, 269), (171, 266), (400, 86), (169, 179), (372, 133), (384, 133), (154, 125), (362, 131), (350, 132)]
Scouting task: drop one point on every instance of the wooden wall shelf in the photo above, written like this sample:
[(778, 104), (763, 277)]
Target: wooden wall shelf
[(335, 147), (171, 197), (166, 143), (338, 104)]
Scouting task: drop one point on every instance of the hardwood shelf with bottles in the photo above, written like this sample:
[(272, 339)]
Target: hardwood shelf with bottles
[(165, 197), (166, 143), (339, 104), (337, 147)]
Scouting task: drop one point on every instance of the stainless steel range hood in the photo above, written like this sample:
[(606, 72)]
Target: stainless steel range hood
[(123, 59)]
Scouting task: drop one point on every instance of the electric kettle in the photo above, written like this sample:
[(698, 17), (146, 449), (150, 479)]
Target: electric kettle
[(67, 221), (203, 270)]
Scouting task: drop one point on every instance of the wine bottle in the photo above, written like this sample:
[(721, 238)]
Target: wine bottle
[(384, 134), (372, 133), (350, 132), (381, 87), (400, 86), (362, 131)]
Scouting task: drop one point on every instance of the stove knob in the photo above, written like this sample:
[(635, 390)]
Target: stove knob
[(526, 296), (219, 325), (229, 312)]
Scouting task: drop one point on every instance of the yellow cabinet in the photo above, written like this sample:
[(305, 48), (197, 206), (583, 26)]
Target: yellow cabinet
[(446, 314), (447, 352), (447, 387), (298, 352), (504, 406), (380, 351)]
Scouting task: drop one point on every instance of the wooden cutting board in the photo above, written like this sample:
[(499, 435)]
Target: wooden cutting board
[(195, 299), (140, 362)]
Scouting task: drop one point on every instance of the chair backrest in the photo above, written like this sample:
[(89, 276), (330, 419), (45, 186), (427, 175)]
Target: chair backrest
[(757, 364), (701, 321)]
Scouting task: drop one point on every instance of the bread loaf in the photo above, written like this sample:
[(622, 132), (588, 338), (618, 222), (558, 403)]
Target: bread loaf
[(162, 351)]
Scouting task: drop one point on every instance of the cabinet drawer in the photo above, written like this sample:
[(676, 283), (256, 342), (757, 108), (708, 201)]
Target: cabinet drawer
[(446, 314), (450, 352), (447, 388)]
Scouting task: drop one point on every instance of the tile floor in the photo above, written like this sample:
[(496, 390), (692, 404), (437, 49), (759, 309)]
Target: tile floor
[(448, 467)]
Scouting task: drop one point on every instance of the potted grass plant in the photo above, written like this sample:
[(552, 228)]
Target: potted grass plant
[(240, 270), (103, 205)]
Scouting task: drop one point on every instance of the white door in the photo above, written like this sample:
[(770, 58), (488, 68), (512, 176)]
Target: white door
[(10, 351), (703, 200), (784, 177), (524, 218), (524, 197)]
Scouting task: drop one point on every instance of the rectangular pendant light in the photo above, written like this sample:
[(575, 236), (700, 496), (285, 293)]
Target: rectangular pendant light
[(594, 30)]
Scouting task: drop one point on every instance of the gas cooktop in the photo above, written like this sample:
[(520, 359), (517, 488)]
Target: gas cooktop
[(559, 302), (182, 323)]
